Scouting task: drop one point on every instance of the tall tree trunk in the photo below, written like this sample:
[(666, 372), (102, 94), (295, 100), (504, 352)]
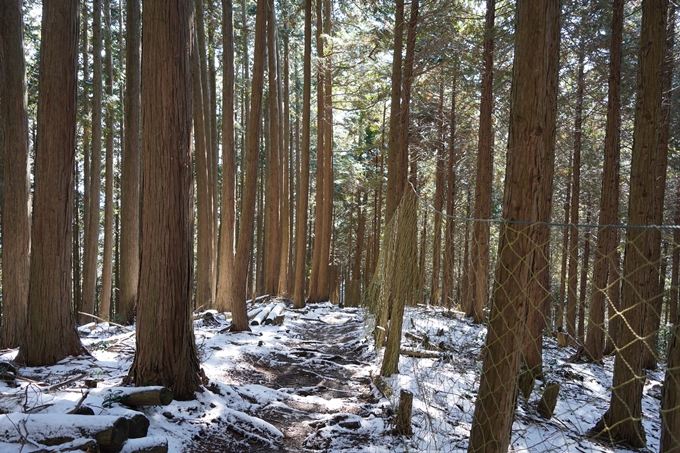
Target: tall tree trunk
[(272, 250), (50, 278), (107, 265), (479, 273), (440, 182), (315, 289), (540, 292), (326, 282), (202, 136), (286, 214), (245, 235), (450, 235), (572, 281), (130, 178), (91, 246), (78, 253), (166, 352), (609, 204), (580, 331), (395, 111), (559, 321), (653, 314), (228, 209), (16, 223), (494, 410), (623, 422), (302, 198), (407, 226)]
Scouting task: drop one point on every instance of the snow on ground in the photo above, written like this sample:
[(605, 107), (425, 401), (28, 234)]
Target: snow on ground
[(306, 386)]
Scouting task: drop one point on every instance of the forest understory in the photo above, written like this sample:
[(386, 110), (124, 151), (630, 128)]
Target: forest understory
[(309, 385)]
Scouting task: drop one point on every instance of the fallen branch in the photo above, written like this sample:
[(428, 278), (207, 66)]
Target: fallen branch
[(420, 354), (154, 444), (136, 396), (104, 320)]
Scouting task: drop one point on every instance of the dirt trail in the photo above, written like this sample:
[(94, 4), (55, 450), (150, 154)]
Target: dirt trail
[(321, 370)]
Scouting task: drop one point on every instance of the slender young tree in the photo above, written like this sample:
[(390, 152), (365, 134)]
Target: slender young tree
[(16, 233), (572, 279), (130, 177), (494, 410), (451, 190), (245, 236), (91, 245), (166, 351), (479, 280), (623, 420), (51, 333), (272, 250), (225, 263), (107, 265), (609, 204), (302, 198), (440, 183)]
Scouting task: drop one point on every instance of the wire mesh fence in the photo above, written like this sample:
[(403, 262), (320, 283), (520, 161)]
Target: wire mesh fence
[(531, 336)]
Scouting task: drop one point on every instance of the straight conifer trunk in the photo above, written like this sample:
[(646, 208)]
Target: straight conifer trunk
[(91, 245), (479, 273), (272, 237), (494, 410), (450, 234), (107, 265), (130, 178), (166, 352), (16, 233), (225, 263), (622, 422), (244, 246), (50, 330), (609, 204), (302, 198)]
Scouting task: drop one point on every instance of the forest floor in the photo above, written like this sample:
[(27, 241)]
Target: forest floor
[(306, 386)]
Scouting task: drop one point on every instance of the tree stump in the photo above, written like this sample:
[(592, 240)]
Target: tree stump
[(526, 384), (546, 406), (404, 413)]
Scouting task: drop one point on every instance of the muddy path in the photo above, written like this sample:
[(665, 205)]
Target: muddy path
[(312, 382)]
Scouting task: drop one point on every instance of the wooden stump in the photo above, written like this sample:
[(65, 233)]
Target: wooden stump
[(137, 396), (526, 384), (404, 413), (546, 406), (110, 432)]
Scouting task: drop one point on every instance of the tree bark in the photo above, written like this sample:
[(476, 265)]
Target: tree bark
[(653, 314), (440, 183), (245, 237), (609, 205), (16, 222), (107, 265), (572, 279), (226, 263), (479, 273), (497, 396), (166, 353), (622, 422), (540, 292), (395, 112), (302, 198), (91, 245), (130, 178), (50, 278), (450, 235), (272, 237)]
